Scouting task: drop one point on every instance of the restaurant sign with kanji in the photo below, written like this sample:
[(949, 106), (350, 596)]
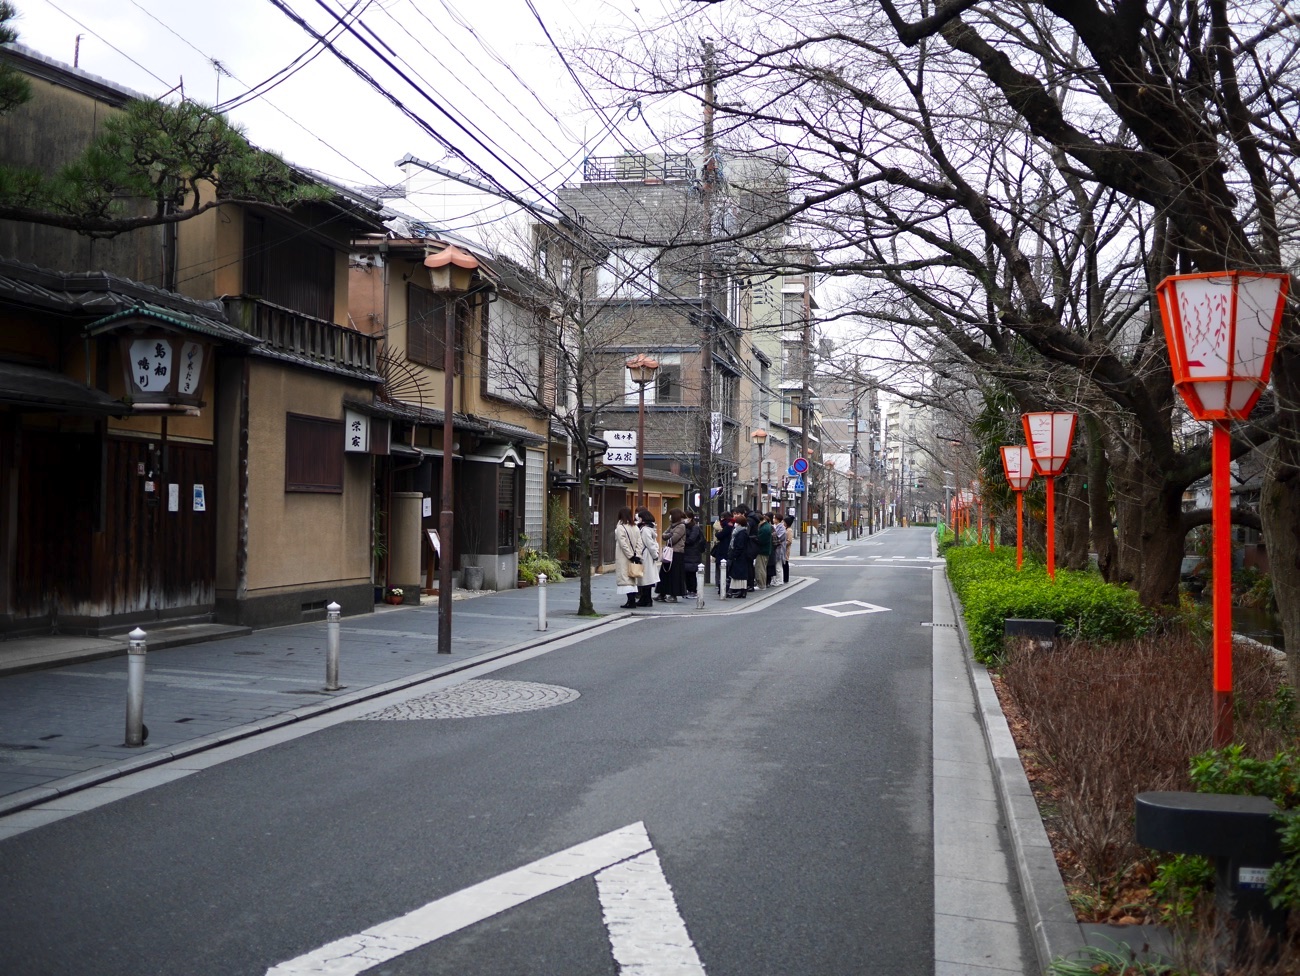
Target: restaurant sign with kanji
[(163, 368)]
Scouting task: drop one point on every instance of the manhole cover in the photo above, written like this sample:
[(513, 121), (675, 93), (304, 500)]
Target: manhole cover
[(476, 698)]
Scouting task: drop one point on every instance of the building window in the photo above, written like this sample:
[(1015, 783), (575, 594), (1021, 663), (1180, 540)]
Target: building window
[(287, 268), (628, 273), (668, 384), (313, 454), (506, 508), (426, 328)]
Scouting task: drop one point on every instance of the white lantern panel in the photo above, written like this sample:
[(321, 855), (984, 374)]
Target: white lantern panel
[(151, 365), (190, 368), (1257, 300), (1205, 315)]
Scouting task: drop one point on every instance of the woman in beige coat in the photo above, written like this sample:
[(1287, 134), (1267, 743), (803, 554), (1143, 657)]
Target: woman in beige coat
[(650, 540), (627, 544)]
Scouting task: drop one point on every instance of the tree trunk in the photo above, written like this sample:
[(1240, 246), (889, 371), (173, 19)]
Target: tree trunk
[(1101, 522), (1151, 533), (1071, 523), (1280, 508)]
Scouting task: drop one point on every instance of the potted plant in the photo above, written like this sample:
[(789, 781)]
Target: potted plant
[(394, 594)]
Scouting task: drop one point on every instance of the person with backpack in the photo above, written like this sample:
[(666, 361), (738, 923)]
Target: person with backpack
[(740, 565)]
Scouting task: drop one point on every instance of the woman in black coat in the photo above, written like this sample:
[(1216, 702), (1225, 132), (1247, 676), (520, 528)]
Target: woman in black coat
[(694, 552), (721, 544), (739, 565)]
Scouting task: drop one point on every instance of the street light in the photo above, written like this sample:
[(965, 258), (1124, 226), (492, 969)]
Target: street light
[(1049, 435), (642, 369), (759, 437), (1018, 465), (451, 272), (1221, 329)]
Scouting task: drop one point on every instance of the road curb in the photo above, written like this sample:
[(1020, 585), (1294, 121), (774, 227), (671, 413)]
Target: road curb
[(36, 795), (1055, 931)]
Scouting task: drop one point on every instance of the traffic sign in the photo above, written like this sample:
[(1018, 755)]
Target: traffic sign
[(799, 487), (790, 472), (800, 465)]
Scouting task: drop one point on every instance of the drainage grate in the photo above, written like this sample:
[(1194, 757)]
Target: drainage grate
[(928, 623)]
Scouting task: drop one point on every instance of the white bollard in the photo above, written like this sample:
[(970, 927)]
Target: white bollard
[(136, 649), (541, 601), (722, 578), (332, 646), (699, 587)]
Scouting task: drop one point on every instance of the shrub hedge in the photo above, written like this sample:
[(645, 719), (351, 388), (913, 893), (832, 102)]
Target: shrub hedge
[(1082, 603)]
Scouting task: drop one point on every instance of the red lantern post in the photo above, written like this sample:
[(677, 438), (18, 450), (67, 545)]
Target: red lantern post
[(1222, 328), (1018, 465), (1049, 435)]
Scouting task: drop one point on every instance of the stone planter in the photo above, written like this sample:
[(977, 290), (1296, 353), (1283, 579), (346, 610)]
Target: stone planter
[(472, 577)]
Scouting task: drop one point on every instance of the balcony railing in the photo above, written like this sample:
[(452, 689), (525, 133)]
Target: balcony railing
[(296, 334), (635, 167)]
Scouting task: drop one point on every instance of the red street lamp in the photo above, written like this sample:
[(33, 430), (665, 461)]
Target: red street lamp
[(1222, 328), (1049, 435), (1018, 466)]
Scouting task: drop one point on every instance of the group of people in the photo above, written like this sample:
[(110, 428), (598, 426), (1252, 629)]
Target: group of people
[(756, 546), (650, 566)]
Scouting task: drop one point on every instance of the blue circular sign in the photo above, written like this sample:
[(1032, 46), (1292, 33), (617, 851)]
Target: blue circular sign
[(800, 465)]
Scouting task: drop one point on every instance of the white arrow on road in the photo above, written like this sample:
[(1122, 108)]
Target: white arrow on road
[(646, 932)]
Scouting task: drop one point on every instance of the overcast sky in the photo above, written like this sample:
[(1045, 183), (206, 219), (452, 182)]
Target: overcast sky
[(488, 63)]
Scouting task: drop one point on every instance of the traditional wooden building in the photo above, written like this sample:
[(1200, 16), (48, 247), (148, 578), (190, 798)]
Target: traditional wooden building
[(172, 402)]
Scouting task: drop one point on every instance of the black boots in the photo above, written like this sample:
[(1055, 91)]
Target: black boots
[(631, 602)]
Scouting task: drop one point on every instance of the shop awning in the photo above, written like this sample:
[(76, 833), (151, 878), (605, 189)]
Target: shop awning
[(31, 388)]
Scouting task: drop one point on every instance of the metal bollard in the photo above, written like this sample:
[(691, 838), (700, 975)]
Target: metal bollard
[(332, 629), (699, 587), (541, 601), (722, 578), (136, 649)]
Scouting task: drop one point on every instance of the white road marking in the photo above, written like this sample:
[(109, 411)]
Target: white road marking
[(648, 936), (859, 608), (646, 931)]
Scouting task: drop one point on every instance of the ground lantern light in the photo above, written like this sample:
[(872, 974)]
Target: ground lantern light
[(1049, 435), (641, 368), (1018, 466), (1221, 328)]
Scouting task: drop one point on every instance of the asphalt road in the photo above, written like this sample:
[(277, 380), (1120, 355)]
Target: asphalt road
[(766, 777)]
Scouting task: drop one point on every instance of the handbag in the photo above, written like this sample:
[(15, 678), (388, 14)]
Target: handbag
[(666, 554)]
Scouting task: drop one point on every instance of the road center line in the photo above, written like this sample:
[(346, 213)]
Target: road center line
[(357, 953)]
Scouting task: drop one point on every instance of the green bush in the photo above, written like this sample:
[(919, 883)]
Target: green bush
[(1082, 603), (534, 562), (1229, 770)]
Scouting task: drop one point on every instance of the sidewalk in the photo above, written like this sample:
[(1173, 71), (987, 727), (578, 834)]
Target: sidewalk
[(62, 719)]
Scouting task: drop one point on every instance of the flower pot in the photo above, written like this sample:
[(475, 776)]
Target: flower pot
[(395, 600), (473, 577)]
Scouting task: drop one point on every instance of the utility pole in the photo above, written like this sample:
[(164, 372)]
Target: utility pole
[(804, 406), (853, 475), (708, 187)]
